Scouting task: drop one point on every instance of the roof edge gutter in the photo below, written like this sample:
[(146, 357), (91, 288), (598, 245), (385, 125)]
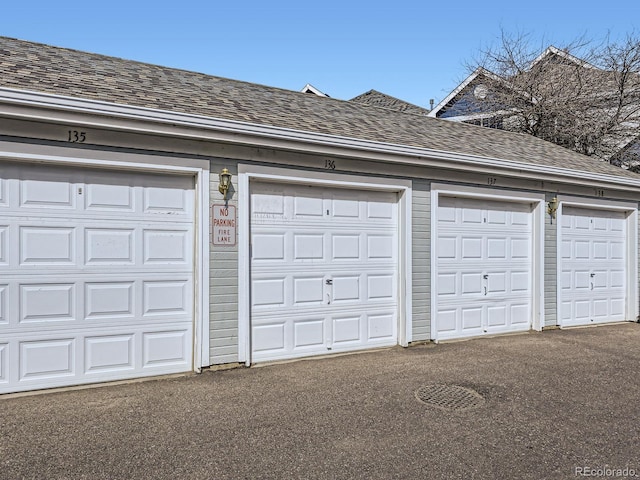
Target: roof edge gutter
[(245, 133)]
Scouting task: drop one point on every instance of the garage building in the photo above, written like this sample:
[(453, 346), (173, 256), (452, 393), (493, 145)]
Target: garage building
[(345, 226)]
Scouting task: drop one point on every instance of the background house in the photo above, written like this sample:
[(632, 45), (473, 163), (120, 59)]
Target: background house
[(560, 98)]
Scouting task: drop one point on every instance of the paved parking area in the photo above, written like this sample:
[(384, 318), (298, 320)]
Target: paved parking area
[(557, 404)]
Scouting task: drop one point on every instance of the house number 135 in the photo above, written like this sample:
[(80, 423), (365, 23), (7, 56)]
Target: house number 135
[(76, 137)]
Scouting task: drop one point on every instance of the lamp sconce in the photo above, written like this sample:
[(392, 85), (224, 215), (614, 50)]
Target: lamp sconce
[(225, 182), (552, 207)]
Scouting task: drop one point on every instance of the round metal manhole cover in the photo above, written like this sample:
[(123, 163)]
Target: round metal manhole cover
[(449, 397)]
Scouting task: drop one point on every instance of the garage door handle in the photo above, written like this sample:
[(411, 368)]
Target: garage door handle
[(328, 299), (591, 285), (485, 290)]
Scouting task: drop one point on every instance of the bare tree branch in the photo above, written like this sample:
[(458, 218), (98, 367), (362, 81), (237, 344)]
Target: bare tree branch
[(584, 95)]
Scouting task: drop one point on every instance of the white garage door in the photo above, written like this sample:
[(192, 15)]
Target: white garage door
[(593, 265), (324, 270), (484, 267), (96, 275)]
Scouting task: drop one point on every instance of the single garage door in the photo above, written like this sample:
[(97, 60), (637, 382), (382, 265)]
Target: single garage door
[(96, 275), (484, 267), (324, 270), (593, 266)]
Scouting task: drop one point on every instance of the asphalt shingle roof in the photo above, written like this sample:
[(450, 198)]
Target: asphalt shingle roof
[(379, 99), (42, 68)]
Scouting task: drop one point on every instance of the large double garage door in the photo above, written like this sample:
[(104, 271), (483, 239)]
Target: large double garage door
[(96, 275), (324, 270)]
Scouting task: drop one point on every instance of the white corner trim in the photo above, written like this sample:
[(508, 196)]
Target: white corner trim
[(202, 273)]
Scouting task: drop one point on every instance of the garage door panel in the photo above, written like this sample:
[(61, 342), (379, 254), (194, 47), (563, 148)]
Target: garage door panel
[(109, 353), (381, 287), (447, 285), (497, 316), (447, 247), (307, 291), (47, 193), (381, 247), (345, 208), (110, 198), (520, 314), (169, 297), (109, 245), (47, 245), (308, 246), (472, 319), (167, 200), (471, 284), (383, 209), (471, 248), (109, 299), (4, 245), (268, 337), (4, 363), (307, 207), (47, 302), (347, 288), (162, 348), (347, 330), (4, 195), (308, 333), (268, 247), (381, 326), (4, 307), (448, 321), (47, 359), (346, 246)]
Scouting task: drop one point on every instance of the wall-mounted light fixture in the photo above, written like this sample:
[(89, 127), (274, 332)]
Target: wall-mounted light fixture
[(552, 207), (225, 182)]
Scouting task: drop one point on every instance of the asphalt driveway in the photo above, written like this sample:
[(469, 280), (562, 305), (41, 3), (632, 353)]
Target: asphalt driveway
[(556, 404)]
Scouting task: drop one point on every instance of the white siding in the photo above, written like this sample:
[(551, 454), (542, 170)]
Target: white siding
[(421, 225)]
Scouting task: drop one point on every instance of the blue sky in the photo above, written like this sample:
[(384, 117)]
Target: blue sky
[(414, 50)]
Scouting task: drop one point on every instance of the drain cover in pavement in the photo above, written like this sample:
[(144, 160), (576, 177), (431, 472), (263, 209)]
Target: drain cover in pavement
[(449, 397)]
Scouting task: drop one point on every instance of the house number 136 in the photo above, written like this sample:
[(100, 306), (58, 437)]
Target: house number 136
[(330, 164)]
